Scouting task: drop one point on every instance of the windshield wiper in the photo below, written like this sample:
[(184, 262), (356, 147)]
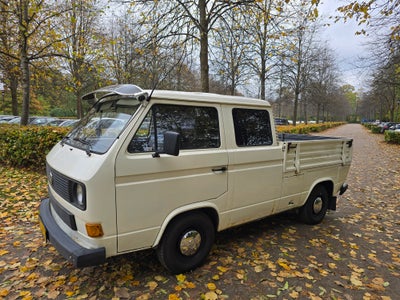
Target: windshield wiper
[(64, 140), (87, 143)]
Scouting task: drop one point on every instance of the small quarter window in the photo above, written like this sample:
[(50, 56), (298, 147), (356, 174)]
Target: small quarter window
[(252, 127)]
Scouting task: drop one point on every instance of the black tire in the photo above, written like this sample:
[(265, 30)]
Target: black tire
[(314, 210), (195, 230)]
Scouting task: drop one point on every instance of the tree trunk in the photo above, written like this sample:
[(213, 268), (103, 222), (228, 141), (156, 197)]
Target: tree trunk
[(296, 104), (14, 94), (204, 68), (24, 61), (262, 77), (25, 89), (25, 79)]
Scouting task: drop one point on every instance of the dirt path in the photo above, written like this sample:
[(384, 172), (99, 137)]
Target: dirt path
[(353, 254)]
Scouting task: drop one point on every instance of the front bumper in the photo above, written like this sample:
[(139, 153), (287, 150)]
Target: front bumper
[(79, 256)]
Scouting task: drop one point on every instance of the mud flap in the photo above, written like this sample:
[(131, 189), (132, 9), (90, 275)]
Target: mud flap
[(332, 203)]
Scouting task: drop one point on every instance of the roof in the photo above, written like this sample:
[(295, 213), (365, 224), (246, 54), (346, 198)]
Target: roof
[(131, 90), (207, 97)]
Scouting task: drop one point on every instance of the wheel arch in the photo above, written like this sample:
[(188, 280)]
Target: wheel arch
[(210, 210), (327, 183)]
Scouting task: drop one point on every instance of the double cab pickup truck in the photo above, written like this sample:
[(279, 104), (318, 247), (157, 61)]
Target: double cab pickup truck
[(168, 170)]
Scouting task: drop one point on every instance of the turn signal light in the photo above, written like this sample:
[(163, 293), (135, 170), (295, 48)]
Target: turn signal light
[(94, 230)]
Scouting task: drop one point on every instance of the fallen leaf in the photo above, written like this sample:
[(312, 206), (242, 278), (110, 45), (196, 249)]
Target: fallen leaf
[(211, 286), (210, 296), (181, 278), (152, 285)]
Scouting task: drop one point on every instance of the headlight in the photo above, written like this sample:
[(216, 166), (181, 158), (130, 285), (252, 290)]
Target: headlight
[(79, 195)]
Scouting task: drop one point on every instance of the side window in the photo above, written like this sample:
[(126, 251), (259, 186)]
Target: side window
[(197, 125), (252, 127)]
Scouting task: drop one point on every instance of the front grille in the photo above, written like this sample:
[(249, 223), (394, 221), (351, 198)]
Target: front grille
[(60, 183)]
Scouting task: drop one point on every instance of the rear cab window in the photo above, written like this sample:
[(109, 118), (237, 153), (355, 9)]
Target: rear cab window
[(252, 127)]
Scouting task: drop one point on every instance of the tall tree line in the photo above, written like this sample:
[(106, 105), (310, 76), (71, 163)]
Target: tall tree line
[(220, 46)]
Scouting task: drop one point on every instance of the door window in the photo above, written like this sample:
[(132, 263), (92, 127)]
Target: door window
[(198, 127)]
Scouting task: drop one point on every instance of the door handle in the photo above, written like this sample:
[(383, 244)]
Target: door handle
[(220, 169)]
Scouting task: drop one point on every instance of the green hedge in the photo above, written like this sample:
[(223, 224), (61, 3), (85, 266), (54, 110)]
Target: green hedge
[(27, 146), (375, 129), (392, 137)]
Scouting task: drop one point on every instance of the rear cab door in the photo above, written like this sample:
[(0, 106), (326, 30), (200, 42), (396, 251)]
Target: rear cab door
[(255, 163)]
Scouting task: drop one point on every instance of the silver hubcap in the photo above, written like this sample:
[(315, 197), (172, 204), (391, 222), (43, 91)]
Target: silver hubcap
[(190, 243), (317, 206)]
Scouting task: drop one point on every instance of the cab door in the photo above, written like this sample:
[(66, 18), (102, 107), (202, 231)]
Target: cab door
[(150, 188)]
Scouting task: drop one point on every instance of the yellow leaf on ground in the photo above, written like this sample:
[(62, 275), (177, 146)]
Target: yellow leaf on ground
[(355, 281), (294, 295), (152, 285), (284, 265), (211, 286), (258, 269), (181, 278), (4, 292), (222, 269), (173, 297), (332, 265), (210, 296)]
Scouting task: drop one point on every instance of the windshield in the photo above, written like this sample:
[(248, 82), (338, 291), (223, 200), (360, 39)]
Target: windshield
[(98, 130)]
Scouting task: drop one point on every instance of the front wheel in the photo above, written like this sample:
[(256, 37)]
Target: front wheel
[(314, 210), (186, 242)]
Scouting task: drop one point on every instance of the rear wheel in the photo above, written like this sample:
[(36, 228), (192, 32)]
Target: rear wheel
[(186, 242), (314, 210)]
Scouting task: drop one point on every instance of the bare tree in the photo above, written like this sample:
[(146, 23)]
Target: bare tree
[(386, 85), (264, 26), (323, 80), (297, 60), (193, 20), (230, 43)]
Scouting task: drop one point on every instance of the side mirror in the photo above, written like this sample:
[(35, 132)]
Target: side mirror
[(171, 143)]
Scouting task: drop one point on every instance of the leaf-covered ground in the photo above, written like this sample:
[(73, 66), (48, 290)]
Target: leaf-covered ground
[(353, 254)]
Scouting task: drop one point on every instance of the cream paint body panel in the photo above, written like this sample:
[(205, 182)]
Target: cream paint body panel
[(306, 163), (148, 189), (255, 179), (96, 173)]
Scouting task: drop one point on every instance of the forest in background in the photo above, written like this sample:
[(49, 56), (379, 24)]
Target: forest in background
[(53, 52)]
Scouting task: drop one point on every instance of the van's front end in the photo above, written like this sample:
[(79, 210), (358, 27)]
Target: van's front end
[(79, 216)]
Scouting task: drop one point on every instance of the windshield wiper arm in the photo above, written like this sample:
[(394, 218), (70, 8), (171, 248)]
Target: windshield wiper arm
[(64, 139), (87, 143)]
